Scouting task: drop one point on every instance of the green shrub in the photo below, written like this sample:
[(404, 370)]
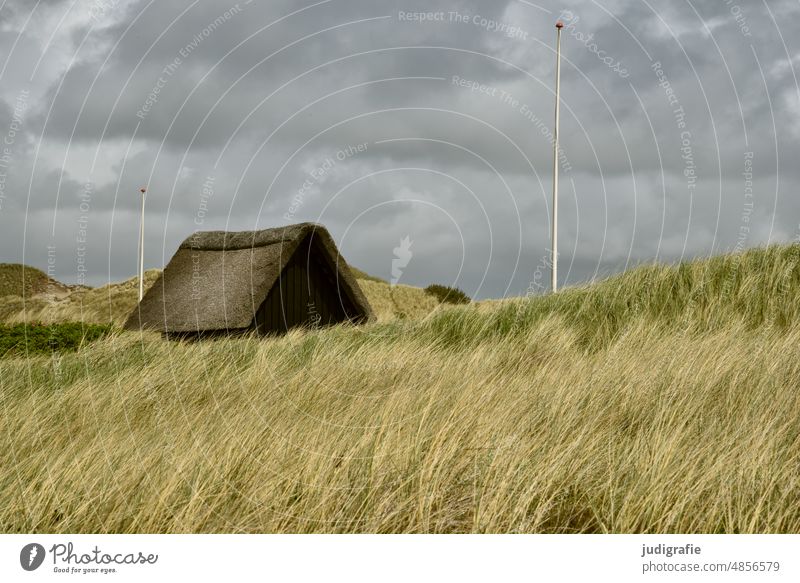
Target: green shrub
[(35, 338), (449, 295)]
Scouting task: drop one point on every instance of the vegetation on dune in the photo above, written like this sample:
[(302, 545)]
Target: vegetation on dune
[(660, 400), (114, 302), (36, 338), (358, 274), (447, 295), (109, 304), (21, 280), (756, 288), (397, 302)]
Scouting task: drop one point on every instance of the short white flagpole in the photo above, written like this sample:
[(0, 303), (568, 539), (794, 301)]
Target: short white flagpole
[(141, 248), (554, 243)]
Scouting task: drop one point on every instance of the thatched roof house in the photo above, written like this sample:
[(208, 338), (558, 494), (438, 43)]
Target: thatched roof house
[(269, 280)]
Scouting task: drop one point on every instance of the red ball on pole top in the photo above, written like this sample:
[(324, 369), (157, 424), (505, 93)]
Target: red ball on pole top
[(559, 24)]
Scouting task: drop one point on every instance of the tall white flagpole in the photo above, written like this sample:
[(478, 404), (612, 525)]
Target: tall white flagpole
[(141, 248), (554, 244)]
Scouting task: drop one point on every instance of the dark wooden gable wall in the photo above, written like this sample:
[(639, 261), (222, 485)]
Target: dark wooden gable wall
[(306, 294)]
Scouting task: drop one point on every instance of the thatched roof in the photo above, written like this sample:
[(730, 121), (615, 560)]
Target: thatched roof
[(217, 279)]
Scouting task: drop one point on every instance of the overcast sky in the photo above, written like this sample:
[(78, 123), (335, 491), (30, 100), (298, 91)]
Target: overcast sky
[(680, 128)]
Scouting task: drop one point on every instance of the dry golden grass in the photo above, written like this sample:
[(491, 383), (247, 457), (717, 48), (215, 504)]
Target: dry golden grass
[(664, 400)]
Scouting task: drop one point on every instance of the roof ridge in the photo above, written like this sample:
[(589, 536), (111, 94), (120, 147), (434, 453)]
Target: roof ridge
[(234, 240)]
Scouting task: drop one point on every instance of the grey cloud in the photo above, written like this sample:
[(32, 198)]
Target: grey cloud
[(210, 119)]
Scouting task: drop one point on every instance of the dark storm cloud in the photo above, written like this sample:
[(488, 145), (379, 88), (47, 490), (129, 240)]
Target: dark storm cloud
[(391, 119)]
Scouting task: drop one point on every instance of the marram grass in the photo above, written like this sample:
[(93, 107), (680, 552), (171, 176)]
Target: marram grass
[(666, 399)]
